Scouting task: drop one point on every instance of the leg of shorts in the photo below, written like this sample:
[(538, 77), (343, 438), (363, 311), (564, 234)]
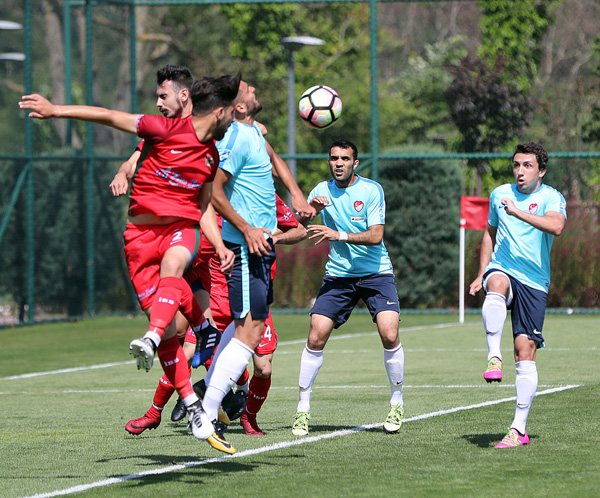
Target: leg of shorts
[(268, 341), (249, 282), (336, 299), (143, 262), (379, 293), (528, 311)]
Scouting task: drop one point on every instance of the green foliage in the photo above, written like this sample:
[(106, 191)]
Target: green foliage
[(423, 202), (413, 103), (514, 30)]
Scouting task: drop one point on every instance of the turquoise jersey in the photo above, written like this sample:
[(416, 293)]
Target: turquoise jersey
[(521, 250), (250, 191), (354, 209)]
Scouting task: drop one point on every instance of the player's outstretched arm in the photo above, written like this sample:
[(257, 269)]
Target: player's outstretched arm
[(485, 256), (210, 228), (370, 237), (283, 175), (42, 108), (120, 182), (291, 236)]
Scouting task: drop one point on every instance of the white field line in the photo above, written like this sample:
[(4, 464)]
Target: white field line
[(275, 447), (282, 343), (273, 388)]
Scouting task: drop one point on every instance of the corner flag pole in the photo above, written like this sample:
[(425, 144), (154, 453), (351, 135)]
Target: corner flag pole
[(461, 284)]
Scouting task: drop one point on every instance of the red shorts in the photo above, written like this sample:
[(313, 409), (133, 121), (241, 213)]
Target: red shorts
[(145, 247), (268, 342)]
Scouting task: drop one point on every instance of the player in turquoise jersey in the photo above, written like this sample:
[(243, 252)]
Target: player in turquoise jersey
[(244, 195), (353, 215), (514, 271)]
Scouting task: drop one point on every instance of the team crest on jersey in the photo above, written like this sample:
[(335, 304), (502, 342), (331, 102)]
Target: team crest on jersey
[(533, 208), (359, 205), (210, 161)]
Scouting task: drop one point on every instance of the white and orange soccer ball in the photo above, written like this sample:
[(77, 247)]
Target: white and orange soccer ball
[(320, 106)]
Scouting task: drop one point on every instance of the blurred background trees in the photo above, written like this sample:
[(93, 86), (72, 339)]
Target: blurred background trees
[(456, 76)]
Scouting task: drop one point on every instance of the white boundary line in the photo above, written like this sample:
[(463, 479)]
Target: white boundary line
[(277, 446), (282, 343)]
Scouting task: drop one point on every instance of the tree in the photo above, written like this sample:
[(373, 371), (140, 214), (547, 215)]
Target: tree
[(514, 31), (421, 233), (487, 110)]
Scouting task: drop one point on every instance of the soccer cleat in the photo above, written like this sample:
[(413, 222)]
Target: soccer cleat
[(234, 404), (200, 389), (179, 411), (217, 439), (513, 439), (199, 423), (139, 425), (143, 351), (493, 372), (300, 426), (249, 424), (393, 422)]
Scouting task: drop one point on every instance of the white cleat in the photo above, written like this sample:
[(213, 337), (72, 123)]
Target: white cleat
[(199, 423), (143, 352)]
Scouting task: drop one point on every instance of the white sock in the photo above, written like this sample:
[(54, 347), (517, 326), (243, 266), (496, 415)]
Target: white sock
[(526, 384), (493, 312), (394, 366), (230, 364), (310, 364), (225, 338)]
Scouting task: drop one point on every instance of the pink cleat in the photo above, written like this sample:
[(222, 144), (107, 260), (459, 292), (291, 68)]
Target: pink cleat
[(493, 372), (513, 439)]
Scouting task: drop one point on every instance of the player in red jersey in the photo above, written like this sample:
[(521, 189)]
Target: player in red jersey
[(171, 191)]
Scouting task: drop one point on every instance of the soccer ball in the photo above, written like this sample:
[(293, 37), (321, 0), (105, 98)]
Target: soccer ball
[(320, 106)]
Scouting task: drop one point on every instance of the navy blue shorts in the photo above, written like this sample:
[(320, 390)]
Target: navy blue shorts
[(528, 309), (250, 288), (338, 296)]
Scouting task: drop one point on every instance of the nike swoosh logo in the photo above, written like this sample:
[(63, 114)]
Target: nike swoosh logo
[(261, 345), (173, 151), (388, 302)]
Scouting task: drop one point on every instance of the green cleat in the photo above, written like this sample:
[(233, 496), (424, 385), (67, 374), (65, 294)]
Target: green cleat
[(300, 426), (393, 422)]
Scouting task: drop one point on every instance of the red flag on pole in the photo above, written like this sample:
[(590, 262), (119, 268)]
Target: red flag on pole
[(474, 212)]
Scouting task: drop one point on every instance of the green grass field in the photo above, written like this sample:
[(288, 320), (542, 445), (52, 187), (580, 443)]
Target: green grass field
[(67, 390)]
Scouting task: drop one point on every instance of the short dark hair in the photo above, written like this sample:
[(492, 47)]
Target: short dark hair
[(345, 144), (179, 76), (210, 93), (532, 148)]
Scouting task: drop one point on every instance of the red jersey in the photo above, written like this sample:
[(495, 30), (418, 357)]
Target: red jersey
[(172, 169)]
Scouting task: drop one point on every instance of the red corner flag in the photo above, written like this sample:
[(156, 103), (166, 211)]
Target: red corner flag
[(473, 212)]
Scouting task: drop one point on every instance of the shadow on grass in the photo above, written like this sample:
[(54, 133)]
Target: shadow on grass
[(486, 440)]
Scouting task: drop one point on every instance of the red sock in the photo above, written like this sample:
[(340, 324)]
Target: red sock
[(243, 378), (163, 393), (174, 363), (165, 304), (154, 412), (259, 389), (189, 306)]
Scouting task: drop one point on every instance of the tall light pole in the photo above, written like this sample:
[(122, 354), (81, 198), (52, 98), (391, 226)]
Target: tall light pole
[(293, 43)]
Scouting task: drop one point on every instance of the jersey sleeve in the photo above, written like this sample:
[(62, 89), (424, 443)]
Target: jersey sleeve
[(232, 142), (557, 203), (152, 127), (492, 214), (285, 217), (376, 207)]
